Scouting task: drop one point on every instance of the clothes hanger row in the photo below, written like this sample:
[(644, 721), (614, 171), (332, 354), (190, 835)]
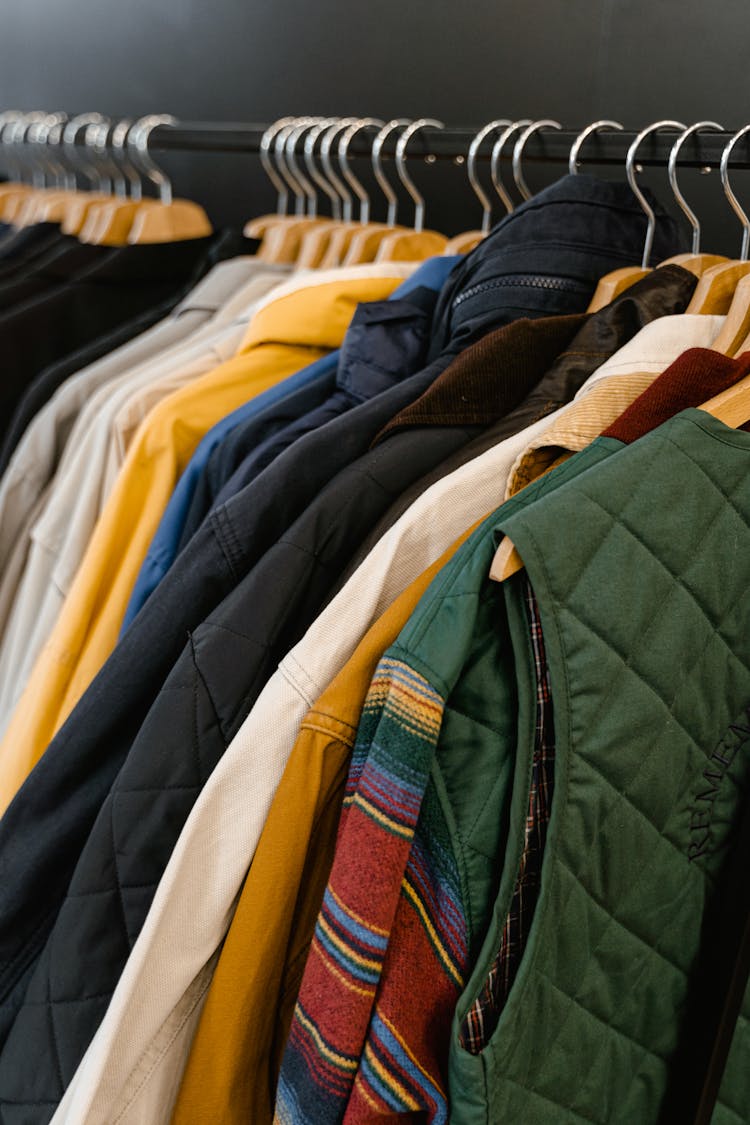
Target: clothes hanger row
[(723, 287), (298, 156), (112, 209)]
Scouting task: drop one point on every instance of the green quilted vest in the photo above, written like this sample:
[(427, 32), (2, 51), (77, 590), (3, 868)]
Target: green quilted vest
[(641, 568)]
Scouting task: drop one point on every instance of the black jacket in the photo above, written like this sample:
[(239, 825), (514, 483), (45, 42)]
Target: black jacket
[(112, 288), (40, 389)]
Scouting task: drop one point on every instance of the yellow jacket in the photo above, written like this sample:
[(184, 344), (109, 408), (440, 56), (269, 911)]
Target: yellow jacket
[(236, 1054), (302, 321)]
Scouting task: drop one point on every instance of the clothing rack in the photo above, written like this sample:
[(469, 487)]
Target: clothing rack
[(702, 150)]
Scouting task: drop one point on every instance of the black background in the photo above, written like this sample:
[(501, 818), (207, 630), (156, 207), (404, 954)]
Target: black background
[(463, 62)]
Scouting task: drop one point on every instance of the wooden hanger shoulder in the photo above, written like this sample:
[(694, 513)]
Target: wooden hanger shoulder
[(177, 221), (715, 289), (109, 224), (736, 327), (695, 263), (281, 243), (314, 244), (411, 246), (613, 284), (732, 406), (367, 241), (463, 243), (256, 228)]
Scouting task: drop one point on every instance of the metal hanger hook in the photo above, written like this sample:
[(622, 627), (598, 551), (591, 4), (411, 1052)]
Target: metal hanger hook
[(8, 120), (119, 153), (290, 152), (54, 126), (406, 180), (282, 165), (377, 166), (630, 171), (733, 200), (471, 166), (315, 174), (39, 136), (497, 149), (19, 134), (520, 144), (594, 127), (91, 140), (325, 155), (343, 153), (687, 211), (138, 143), (65, 175), (101, 141), (70, 132), (266, 142)]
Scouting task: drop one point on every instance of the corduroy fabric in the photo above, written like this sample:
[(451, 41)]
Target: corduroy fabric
[(692, 379), (626, 407)]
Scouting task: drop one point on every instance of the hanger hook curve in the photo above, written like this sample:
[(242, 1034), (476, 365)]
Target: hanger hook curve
[(594, 127), (497, 149), (343, 153), (266, 142), (630, 171), (325, 155), (546, 123), (377, 165), (138, 140), (406, 180), (315, 174), (733, 200), (471, 167), (290, 152), (682, 203)]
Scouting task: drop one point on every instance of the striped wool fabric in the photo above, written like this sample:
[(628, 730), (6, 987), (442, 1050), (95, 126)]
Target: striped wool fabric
[(371, 1028)]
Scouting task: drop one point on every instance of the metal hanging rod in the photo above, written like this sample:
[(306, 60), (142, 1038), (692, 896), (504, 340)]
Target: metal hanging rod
[(703, 150)]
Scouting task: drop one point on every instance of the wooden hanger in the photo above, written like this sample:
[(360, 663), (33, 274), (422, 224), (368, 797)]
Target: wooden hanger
[(715, 290), (315, 241), (349, 242), (166, 219), (733, 335), (464, 243), (8, 119), (732, 407), (108, 221), (415, 244), (696, 262), (18, 199), (169, 220), (353, 247), (288, 240), (716, 285), (257, 227), (614, 283)]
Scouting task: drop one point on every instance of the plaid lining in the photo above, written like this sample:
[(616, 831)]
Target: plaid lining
[(484, 1014)]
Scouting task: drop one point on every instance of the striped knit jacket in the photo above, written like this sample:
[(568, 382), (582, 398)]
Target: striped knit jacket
[(386, 966)]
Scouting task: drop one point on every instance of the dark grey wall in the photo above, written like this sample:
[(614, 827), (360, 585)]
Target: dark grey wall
[(464, 61)]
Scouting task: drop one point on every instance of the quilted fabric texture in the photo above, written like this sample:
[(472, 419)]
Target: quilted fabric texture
[(651, 688)]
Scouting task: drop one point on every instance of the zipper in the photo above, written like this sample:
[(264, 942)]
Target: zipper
[(523, 281)]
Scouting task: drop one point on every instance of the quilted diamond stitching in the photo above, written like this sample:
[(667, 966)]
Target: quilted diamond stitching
[(714, 631)]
